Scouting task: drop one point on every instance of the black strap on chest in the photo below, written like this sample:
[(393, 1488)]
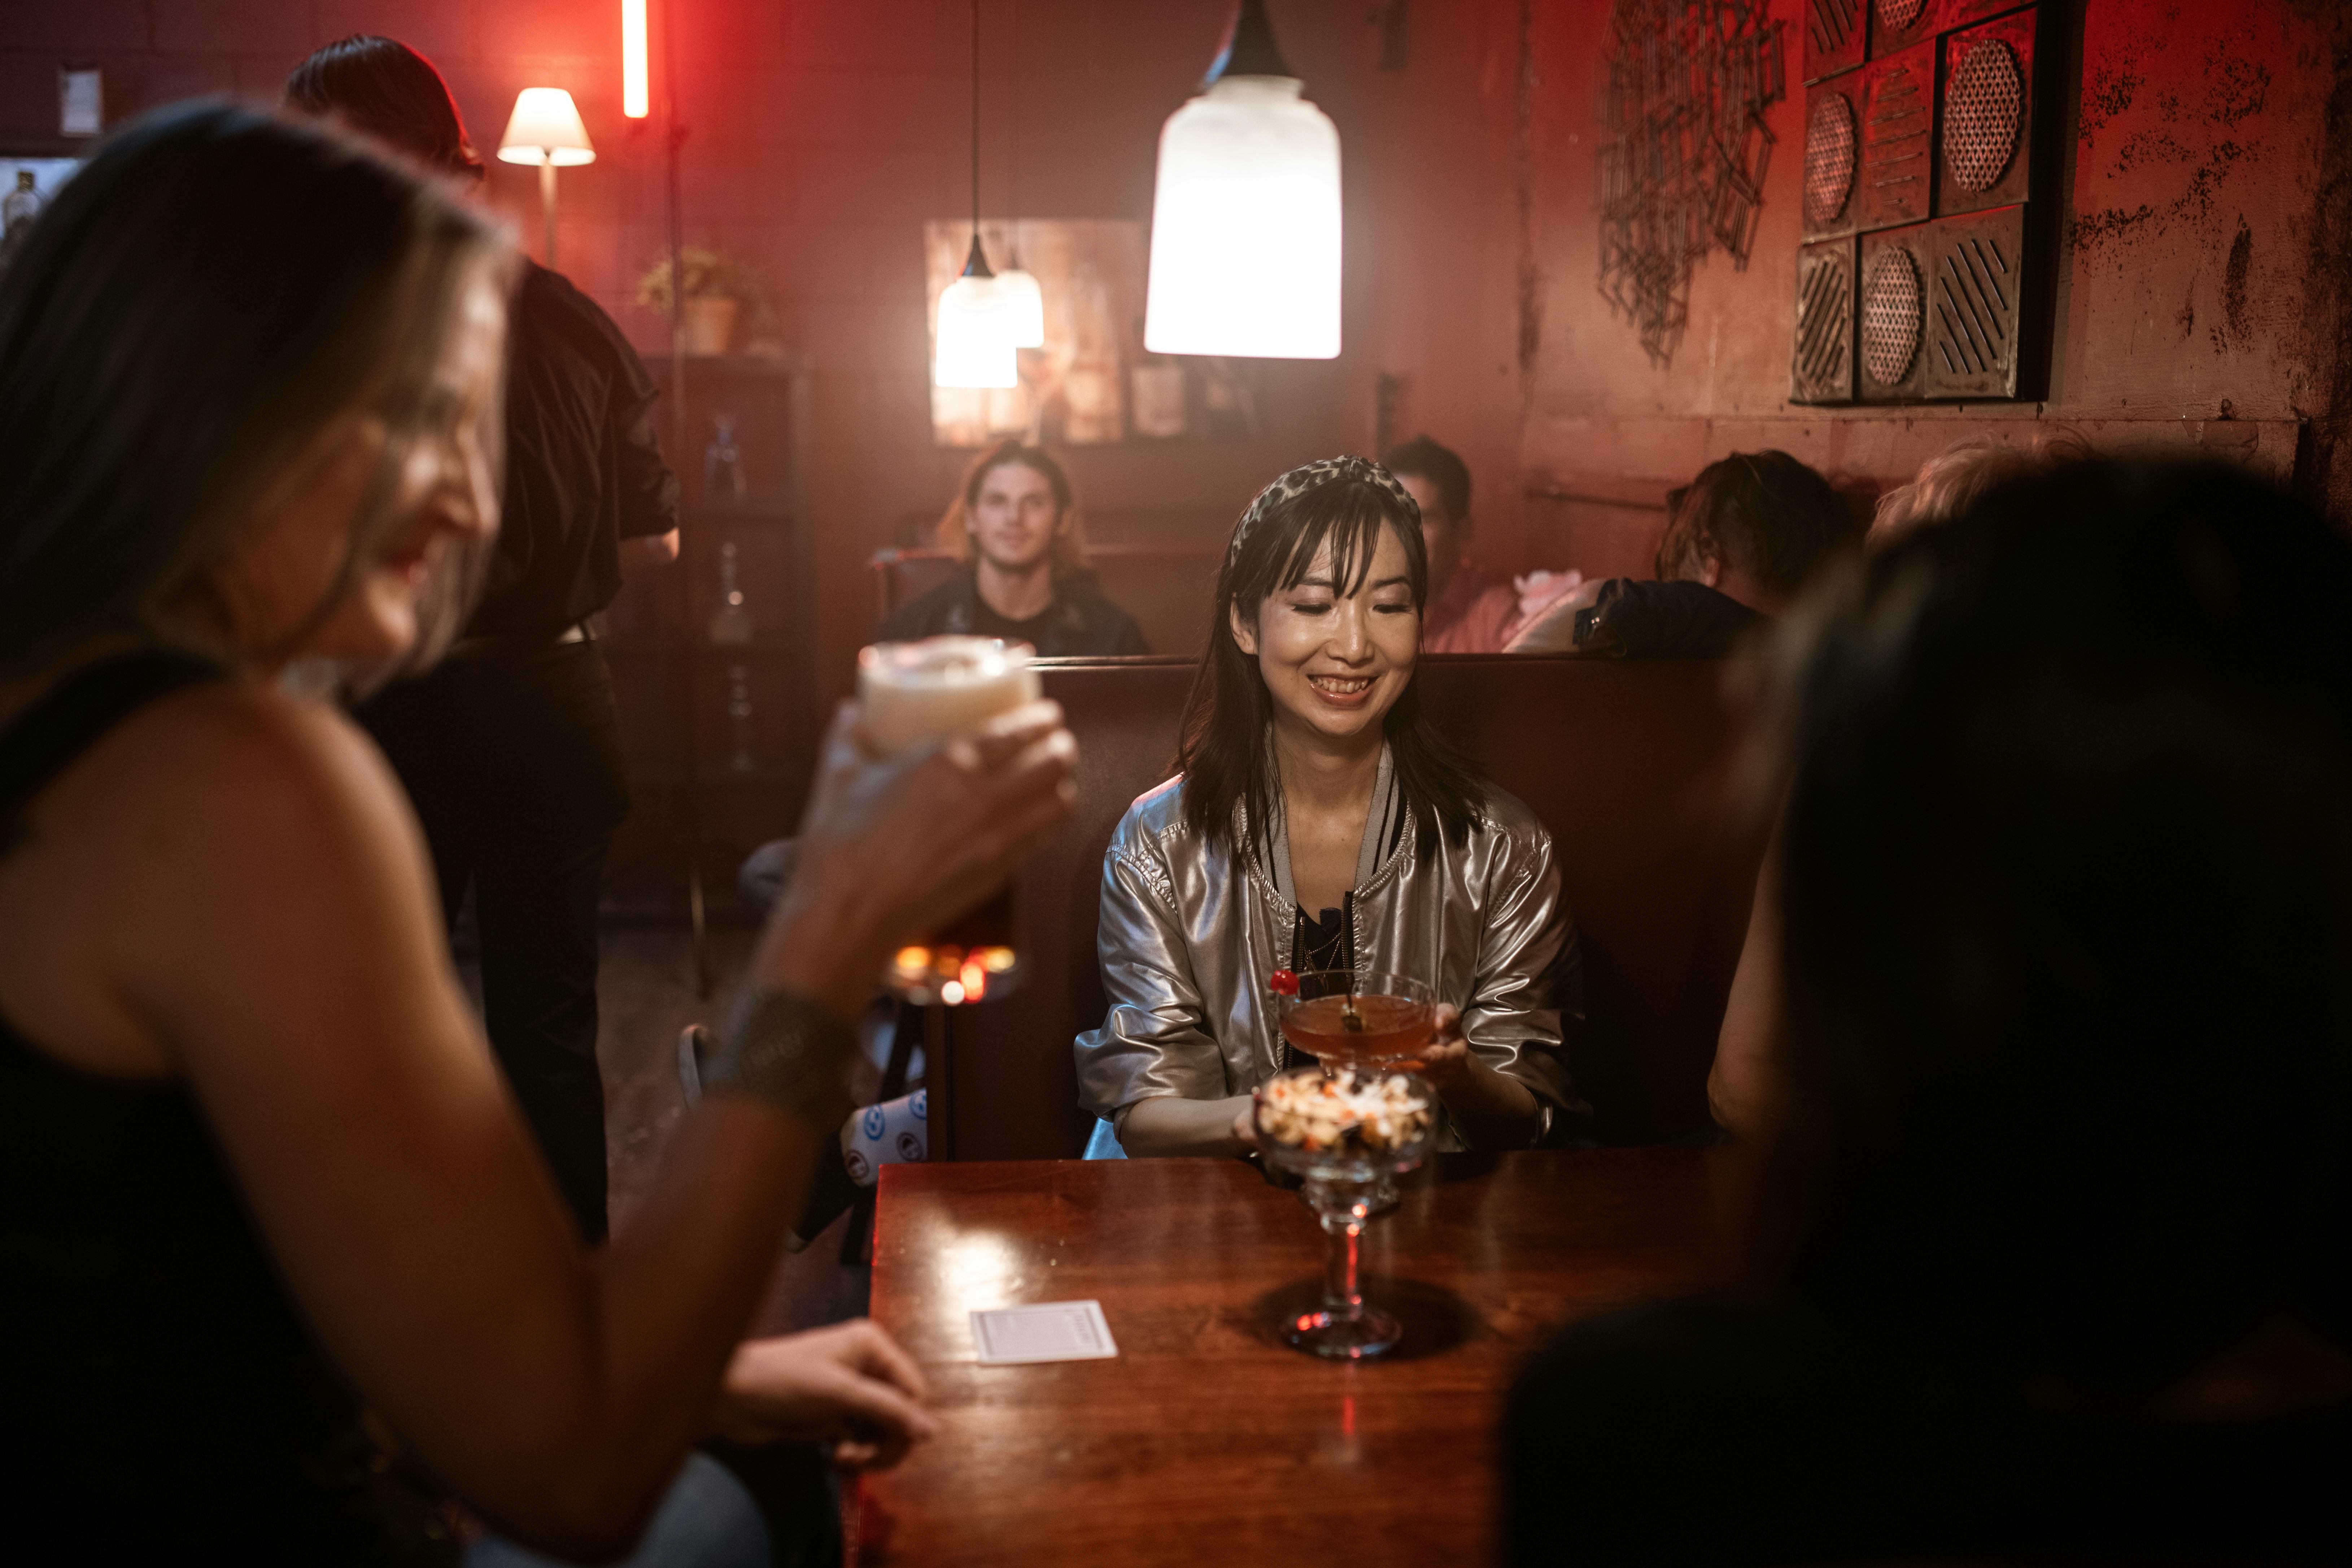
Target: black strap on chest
[(48, 736)]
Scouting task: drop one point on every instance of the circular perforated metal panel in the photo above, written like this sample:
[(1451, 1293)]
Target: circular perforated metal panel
[(1895, 15), (1890, 317), (1982, 104), (1829, 158)]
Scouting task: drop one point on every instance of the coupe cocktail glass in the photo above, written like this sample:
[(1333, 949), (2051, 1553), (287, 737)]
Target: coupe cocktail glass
[(1342, 1018), (1343, 1133)]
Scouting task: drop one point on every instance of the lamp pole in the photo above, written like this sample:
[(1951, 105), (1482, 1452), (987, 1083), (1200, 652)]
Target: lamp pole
[(547, 199), (691, 770)]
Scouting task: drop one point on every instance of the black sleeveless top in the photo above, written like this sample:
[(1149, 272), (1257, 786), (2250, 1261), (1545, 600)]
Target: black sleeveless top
[(161, 1399)]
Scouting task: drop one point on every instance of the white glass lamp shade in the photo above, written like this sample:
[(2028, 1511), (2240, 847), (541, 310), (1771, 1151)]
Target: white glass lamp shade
[(1245, 226), (973, 345), (1025, 307), (546, 128)]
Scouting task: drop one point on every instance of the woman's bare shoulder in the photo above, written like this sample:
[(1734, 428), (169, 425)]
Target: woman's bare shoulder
[(230, 765)]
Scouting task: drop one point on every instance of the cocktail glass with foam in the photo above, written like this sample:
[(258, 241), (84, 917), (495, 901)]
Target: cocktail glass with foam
[(913, 694)]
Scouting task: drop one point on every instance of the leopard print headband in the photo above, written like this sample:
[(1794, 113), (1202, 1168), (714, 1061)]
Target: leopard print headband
[(1314, 476)]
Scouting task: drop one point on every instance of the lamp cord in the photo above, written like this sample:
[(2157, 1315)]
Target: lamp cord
[(975, 119), (1013, 142)]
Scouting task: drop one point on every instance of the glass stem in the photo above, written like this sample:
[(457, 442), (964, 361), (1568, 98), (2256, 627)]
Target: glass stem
[(1342, 1295)]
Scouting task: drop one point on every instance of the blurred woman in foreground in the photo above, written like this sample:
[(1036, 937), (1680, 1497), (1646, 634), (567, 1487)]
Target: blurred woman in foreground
[(260, 1172), (2052, 1191)]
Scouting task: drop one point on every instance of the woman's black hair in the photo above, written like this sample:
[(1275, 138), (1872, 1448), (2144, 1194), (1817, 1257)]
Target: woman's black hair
[(2067, 902), (193, 310), (382, 87), (1225, 754)]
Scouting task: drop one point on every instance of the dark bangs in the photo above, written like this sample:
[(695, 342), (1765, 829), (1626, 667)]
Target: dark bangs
[(1348, 515), (1226, 754)]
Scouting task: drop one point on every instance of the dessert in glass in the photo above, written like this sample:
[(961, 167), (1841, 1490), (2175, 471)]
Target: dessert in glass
[(1343, 1131), (915, 693), (1342, 1018)]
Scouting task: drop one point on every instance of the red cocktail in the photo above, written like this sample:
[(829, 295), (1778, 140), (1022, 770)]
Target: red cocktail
[(1344, 1019)]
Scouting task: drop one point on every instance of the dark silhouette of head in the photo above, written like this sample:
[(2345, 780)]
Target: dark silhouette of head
[(2067, 902), (386, 90)]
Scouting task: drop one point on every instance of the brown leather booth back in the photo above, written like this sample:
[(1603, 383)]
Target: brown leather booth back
[(1626, 763), (1166, 588)]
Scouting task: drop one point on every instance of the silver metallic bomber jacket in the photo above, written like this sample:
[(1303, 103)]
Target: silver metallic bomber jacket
[(1190, 933)]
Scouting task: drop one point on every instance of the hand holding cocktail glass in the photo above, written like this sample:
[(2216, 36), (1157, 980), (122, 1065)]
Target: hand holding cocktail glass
[(893, 846)]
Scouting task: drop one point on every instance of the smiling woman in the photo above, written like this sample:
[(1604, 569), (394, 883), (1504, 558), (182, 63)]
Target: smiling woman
[(1320, 822), (260, 1172)]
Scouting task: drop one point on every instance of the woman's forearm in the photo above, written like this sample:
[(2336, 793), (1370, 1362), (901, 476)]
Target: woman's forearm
[(1170, 1126), (1493, 1110)]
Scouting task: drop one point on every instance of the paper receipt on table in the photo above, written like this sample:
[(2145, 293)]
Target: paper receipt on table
[(1050, 1330)]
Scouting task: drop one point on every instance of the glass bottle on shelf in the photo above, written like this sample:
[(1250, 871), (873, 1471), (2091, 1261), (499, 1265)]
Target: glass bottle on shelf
[(730, 622), (739, 718), (722, 464)]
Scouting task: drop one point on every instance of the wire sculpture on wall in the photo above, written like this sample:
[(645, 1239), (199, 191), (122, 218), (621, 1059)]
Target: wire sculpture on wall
[(1682, 166)]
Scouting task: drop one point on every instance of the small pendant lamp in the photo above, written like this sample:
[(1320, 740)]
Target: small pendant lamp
[(973, 344), (1246, 220)]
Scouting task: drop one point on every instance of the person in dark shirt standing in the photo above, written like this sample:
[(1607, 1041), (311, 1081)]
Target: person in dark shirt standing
[(510, 748), (1016, 522)]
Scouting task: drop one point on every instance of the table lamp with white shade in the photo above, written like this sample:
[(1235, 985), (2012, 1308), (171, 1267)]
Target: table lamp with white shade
[(546, 130)]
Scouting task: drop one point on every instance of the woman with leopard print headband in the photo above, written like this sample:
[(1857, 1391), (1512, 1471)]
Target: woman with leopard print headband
[(1319, 821)]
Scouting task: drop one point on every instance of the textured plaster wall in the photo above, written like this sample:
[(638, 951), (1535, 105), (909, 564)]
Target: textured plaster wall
[(2200, 282)]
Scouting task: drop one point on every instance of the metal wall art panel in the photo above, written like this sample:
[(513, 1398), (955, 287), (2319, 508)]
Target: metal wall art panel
[(1684, 162), (1897, 104), (1975, 305), (1899, 24), (1833, 35), (1891, 316), (1833, 156), (1924, 156), (1960, 13), (1823, 370), (1986, 118)]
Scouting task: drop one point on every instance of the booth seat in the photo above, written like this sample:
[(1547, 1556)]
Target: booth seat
[(1627, 764)]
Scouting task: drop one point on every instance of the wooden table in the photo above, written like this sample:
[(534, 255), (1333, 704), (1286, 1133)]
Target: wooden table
[(1208, 1439)]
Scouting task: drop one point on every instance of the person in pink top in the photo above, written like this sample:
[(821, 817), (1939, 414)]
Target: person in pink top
[(1469, 611)]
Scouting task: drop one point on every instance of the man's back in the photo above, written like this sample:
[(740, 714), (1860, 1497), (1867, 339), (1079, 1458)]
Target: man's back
[(583, 471)]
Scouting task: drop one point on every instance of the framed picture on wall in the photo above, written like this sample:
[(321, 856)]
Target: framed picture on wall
[(1092, 382), (30, 178)]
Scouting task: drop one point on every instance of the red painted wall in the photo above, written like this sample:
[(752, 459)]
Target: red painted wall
[(2202, 291), (821, 138), (2202, 297)]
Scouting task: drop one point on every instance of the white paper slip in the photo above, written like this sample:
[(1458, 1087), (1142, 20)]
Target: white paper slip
[(1051, 1330)]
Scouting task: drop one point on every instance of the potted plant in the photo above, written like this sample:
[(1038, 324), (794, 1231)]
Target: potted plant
[(716, 294)]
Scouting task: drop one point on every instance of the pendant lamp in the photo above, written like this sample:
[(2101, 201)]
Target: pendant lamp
[(1245, 221), (1025, 302), (974, 343), (1025, 305)]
